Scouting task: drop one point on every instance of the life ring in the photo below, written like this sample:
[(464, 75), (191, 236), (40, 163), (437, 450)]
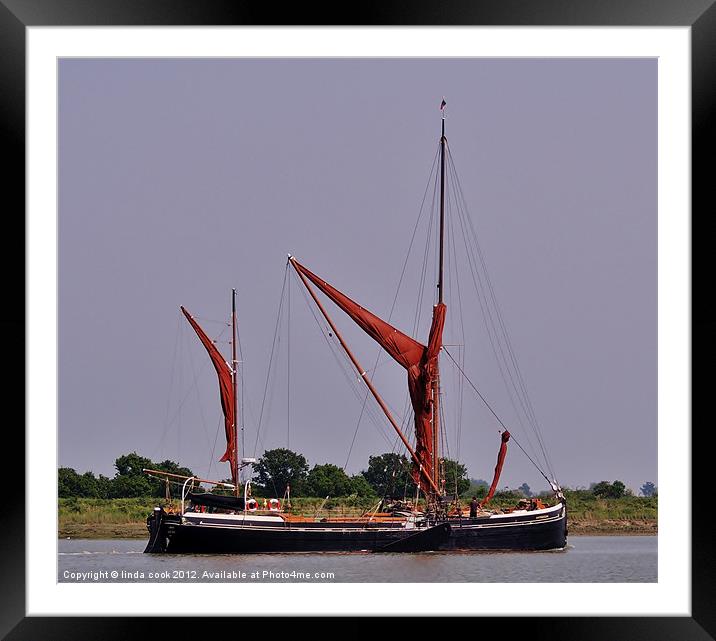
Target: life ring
[(252, 505), (274, 505)]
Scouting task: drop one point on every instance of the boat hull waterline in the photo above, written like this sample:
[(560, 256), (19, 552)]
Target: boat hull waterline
[(217, 534)]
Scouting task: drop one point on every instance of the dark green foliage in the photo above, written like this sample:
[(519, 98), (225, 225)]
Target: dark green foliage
[(455, 474), (104, 486), (130, 486), (278, 468), (328, 480), (159, 488), (129, 481), (360, 487), (132, 464), (607, 490), (389, 475), (69, 483)]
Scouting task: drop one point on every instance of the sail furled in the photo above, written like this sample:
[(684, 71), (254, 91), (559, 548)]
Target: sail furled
[(498, 468), (422, 384), (419, 360), (226, 391)]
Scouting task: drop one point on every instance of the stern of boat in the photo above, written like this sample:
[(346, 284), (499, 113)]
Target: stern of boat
[(160, 525)]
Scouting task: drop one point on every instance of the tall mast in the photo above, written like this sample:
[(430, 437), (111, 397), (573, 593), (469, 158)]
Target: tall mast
[(442, 204), (436, 384), (235, 378)]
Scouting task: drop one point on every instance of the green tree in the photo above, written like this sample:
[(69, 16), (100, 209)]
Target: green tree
[(72, 484), (159, 487), (132, 464), (130, 485), (328, 480), (618, 490), (455, 474), (129, 481), (69, 483), (648, 489), (389, 474), (104, 487), (278, 468), (360, 487), (600, 489), (607, 490), (66, 482)]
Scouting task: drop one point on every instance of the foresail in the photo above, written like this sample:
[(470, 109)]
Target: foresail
[(420, 362), (404, 349), (223, 371)]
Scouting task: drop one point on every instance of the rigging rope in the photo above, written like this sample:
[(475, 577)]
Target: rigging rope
[(198, 398), (524, 395), (487, 316), (484, 400), (395, 298), (213, 449), (288, 368), (342, 360), (171, 387), (273, 348)]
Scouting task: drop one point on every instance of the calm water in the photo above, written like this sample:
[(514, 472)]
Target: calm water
[(588, 559)]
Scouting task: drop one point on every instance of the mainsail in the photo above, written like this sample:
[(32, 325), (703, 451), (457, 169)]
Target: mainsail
[(226, 390), (419, 360)]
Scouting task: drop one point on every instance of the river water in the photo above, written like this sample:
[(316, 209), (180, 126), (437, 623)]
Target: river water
[(587, 559)]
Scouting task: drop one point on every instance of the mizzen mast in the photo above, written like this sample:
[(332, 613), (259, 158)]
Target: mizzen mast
[(437, 475), (235, 382)]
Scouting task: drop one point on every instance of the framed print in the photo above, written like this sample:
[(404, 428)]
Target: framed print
[(178, 154)]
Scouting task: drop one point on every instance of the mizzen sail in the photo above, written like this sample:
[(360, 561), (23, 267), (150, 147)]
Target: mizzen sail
[(226, 391)]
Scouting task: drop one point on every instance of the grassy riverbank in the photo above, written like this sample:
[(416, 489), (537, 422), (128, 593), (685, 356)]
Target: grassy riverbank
[(126, 518)]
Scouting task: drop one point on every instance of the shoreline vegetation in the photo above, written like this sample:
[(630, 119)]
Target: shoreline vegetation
[(100, 507), (125, 518)]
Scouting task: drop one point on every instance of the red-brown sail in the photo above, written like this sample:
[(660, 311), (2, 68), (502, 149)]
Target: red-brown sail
[(421, 383), (498, 468), (224, 372), (420, 362)]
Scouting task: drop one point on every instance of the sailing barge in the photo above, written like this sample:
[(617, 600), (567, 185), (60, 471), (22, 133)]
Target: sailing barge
[(214, 523)]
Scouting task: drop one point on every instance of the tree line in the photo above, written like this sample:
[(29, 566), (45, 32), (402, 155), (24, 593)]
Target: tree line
[(129, 481), (387, 475)]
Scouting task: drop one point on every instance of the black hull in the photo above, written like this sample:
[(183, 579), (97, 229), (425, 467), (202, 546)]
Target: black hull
[(526, 536), (224, 540), (525, 532)]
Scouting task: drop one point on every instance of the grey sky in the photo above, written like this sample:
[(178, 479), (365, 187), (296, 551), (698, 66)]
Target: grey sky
[(180, 179)]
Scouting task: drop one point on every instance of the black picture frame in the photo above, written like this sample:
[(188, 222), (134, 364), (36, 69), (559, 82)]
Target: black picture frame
[(700, 15)]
